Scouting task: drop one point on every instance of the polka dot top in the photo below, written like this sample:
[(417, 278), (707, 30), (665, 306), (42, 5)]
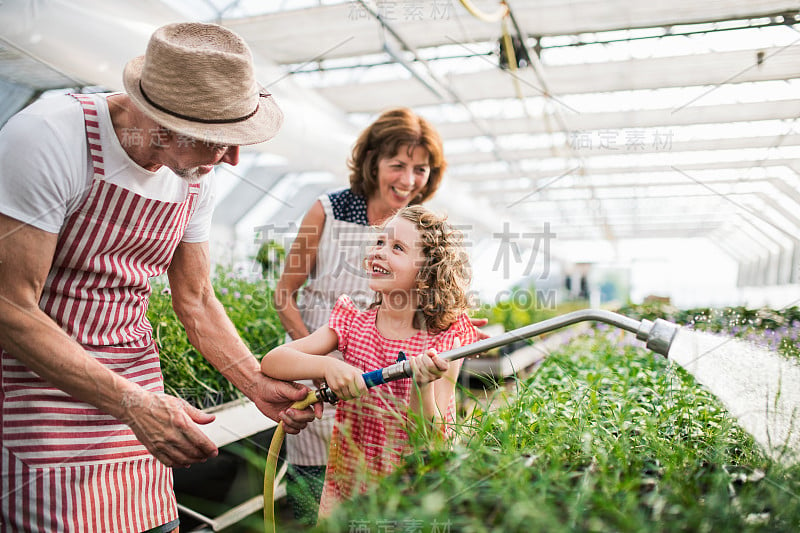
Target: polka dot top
[(349, 207)]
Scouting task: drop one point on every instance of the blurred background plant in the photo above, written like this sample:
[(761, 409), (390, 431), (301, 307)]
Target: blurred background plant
[(187, 374), (776, 329), (271, 256), (527, 305)]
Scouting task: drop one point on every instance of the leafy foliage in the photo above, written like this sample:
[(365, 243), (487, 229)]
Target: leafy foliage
[(271, 256), (600, 438), (186, 373), (527, 306)]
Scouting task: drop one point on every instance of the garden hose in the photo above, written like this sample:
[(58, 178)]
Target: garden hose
[(272, 463), (498, 14)]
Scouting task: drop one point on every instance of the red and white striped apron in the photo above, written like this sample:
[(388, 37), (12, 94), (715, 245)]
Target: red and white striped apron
[(67, 466)]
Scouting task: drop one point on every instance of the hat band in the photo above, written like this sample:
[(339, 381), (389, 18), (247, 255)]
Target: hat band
[(196, 119)]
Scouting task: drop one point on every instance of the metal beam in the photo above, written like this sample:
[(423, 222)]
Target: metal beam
[(251, 189), (705, 70), (293, 36), (644, 190), (701, 145), (467, 173), (630, 119)]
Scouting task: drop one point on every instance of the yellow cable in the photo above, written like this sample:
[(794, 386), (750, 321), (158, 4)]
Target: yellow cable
[(272, 465), (500, 13)]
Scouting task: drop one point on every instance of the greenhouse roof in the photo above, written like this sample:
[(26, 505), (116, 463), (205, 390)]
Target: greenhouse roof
[(633, 120)]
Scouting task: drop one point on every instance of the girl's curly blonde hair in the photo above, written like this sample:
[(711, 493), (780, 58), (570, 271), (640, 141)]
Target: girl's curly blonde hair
[(444, 277)]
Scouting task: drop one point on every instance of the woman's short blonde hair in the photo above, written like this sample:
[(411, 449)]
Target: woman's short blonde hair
[(383, 139), (444, 276)]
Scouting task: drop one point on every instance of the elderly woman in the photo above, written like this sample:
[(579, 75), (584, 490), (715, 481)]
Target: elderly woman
[(398, 160)]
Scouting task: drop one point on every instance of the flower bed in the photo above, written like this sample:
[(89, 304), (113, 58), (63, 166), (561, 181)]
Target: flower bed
[(604, 436), (600, 438), (777, 330)]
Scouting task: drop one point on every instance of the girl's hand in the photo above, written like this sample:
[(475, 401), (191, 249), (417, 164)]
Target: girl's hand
[(344, 380), (428, 367)]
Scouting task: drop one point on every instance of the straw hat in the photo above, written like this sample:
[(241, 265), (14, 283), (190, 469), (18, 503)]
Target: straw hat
[(198, 80)]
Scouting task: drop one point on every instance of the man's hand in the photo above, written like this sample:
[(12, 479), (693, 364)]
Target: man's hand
[(274, 398), (167, 427)]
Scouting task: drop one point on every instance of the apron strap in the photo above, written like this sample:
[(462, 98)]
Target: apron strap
[(92, 133)]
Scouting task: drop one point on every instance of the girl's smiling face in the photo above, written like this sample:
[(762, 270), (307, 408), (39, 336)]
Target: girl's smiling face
[(395, 259)]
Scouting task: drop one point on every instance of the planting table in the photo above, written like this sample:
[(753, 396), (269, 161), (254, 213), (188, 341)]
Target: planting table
[(235, 421)]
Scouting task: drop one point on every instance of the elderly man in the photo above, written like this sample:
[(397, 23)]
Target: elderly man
[(97, 194)]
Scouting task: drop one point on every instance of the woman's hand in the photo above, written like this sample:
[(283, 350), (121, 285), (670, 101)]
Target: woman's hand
[(479, 323), (344, 380)]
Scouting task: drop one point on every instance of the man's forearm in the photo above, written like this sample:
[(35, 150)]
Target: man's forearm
[(211, 331)]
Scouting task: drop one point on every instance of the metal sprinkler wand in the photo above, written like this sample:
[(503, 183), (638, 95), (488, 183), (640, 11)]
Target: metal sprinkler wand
[(657, 335)]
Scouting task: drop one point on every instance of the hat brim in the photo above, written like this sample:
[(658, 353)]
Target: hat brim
[(260, 127)]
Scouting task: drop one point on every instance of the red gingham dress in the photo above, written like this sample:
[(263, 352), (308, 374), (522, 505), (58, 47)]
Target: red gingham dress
[(369, 437)]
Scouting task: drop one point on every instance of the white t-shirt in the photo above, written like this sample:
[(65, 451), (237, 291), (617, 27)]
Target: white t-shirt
[(45, 173)]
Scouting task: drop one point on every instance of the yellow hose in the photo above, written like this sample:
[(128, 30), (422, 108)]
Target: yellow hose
[(501, 12), (272, 465)]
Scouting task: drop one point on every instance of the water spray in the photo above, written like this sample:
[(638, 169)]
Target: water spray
[(758, 387)]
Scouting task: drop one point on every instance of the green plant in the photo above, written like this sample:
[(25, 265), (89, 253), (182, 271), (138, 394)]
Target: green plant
[(271, 256), (600, 438), (186, 373), (525, 306)]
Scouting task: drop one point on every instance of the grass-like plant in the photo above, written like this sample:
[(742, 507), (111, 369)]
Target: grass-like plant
[(599, 438)]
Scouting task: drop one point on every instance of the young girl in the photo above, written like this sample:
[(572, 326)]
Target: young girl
[(420, 273)]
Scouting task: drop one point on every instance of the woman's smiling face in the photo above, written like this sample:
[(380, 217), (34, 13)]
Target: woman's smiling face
[(403, 176)]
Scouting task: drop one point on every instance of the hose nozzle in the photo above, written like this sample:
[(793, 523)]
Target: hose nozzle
[(657, 335)]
